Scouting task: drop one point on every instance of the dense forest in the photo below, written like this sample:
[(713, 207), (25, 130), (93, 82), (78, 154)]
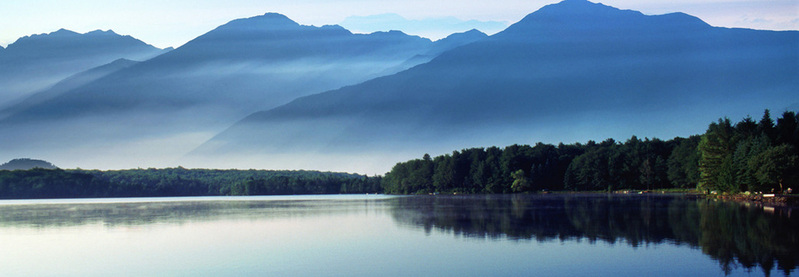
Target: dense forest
[(58, 183), (756, 156)]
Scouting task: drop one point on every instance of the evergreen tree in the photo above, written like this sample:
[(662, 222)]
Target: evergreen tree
[(766, 125), (715, 156), (787, 129), (683, 163)]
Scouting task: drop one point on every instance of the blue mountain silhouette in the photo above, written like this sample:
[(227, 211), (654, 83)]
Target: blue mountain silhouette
[(211, 82), (36, 62), (241, 67), (70, 83), (571, 71)]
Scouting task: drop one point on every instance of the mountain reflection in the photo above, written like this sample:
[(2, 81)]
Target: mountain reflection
[(731, 233)]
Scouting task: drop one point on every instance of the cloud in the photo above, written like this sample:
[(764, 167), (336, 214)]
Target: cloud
[(433, 28)]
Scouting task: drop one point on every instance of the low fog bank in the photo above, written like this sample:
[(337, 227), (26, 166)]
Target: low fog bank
[(378, 148), (373, 156)]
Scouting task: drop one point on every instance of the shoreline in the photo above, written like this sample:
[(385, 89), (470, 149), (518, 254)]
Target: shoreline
[(767, 200)]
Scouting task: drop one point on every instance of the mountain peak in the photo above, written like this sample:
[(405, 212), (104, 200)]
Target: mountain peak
[(67, 36), (469, 33), (578, 3), (267, 21), (247, 29), (581, 16), (390, 33), (60, 32), (276, 16), (122, 61), (101, 32), (580, 8)]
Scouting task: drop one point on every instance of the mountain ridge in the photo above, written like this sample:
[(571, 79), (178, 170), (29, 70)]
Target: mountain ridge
[(183, 97), (277, 35), (35, 62), (540, 78)]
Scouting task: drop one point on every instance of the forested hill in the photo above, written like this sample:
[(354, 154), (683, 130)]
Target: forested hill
[(25, 163), (745, 156), (57, 183)]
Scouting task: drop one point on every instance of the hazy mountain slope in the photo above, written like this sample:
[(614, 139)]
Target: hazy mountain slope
[(242, 66), (571, 71), (36, 62), (174, 102), (440, 46), (66, 85)]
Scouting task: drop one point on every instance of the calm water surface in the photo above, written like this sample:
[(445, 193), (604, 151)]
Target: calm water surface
[(373, 235)]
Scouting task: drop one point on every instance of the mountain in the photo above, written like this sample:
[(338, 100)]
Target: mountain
[(571, 71), (178, 100), (66, 85), (456, 40), (34, 63), (25, 164), (440, 46), (428, 27)]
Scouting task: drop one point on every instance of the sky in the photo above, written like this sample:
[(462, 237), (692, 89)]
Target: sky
[(173, 23)]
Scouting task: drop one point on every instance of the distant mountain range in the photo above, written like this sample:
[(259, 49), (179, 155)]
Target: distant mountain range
[(328, 99), (429, 27), (36, 62), (185, 96), (568, 72)]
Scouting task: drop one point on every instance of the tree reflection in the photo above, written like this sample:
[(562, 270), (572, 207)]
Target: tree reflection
[(733, 234)]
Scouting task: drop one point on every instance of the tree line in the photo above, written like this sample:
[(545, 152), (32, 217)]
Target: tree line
[(756, 156), (745, 156), (59, 183)]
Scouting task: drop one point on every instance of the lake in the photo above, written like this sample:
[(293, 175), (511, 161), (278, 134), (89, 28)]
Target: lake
[(378, 235)]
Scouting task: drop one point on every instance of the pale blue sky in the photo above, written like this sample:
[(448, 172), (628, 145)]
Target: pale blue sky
[(172, 23)]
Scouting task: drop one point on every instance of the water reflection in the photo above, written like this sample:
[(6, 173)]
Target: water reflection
[(735, 235), (44, 215)]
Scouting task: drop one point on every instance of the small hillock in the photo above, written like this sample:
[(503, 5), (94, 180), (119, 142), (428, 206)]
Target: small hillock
[(26, 164)]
